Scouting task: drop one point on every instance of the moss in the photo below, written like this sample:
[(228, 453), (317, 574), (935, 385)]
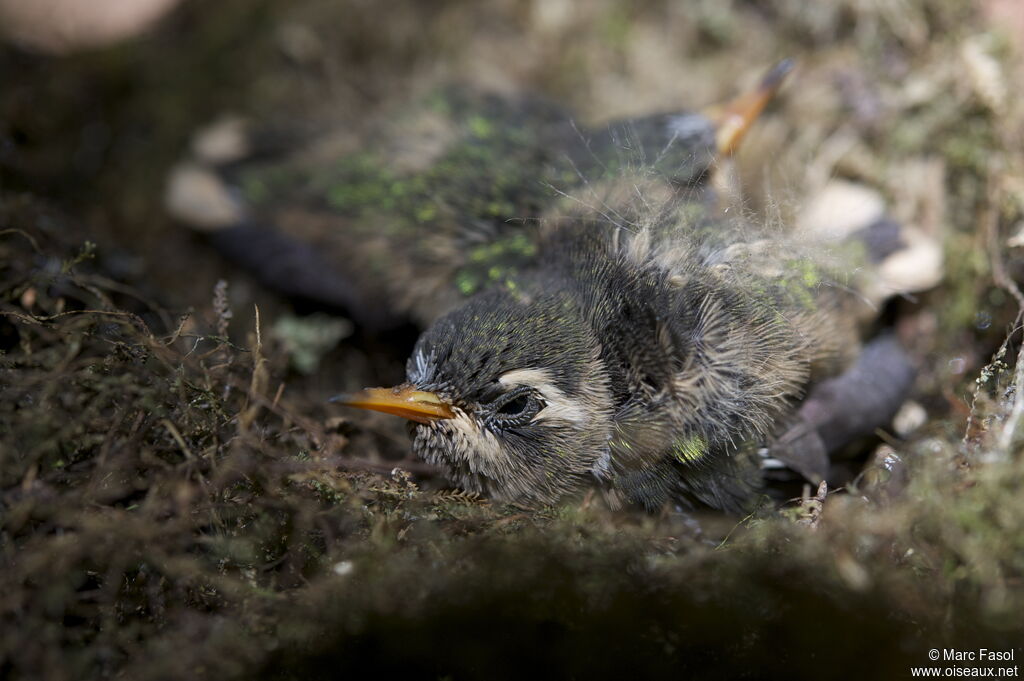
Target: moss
[(480, 127), (467, 283), (970, 144), (357, 184), (308, 339), (164, 514), (496, 262), (690, 450), (967, 267), (616, 25)]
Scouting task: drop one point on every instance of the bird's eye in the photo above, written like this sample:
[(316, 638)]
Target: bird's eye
[(515, 408)]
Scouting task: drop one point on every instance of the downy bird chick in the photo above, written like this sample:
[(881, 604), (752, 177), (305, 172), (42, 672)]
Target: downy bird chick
[(626, 335)]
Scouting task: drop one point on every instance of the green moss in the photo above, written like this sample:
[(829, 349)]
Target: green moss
[(480, 127), (359, 187), (255, 190), (426, 212), (467, 283), (810, 275), (968, 271), (616, 25), (515, 245), (796, 287), (307, 339), (690, 450)]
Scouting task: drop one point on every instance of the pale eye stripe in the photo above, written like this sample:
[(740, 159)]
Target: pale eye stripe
[(559, 406), (534, 378)]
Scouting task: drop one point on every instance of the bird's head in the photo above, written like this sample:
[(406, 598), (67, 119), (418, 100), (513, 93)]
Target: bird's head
[(508, 395)]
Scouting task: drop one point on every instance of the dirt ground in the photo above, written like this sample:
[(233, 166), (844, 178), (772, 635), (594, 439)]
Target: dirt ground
[(178, 500)]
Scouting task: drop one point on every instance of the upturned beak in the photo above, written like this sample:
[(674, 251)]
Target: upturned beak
[(402, 400), (735, 117)]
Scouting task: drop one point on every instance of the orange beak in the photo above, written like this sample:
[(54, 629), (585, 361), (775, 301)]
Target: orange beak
[(403, 400), (735, 118)]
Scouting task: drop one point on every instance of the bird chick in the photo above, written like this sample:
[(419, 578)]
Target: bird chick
[(606, 363), (634, 339), (644, 350)]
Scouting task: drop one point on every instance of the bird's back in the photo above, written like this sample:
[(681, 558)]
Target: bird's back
[(711, 328)]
